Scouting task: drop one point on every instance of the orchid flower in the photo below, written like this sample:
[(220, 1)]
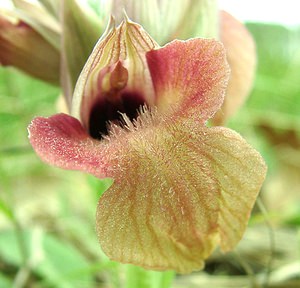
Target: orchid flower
[(139, 114)]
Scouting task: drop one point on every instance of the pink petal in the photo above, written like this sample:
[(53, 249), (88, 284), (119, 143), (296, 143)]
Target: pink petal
[(61, 141), (241, 55), (189, 77), (179, 190)]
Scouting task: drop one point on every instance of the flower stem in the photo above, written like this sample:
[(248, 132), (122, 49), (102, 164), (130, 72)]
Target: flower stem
[(137, 277)]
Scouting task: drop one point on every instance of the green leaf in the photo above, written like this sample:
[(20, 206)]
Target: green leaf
[(5, 282), (277, 84), (57, 262), (5, 209)]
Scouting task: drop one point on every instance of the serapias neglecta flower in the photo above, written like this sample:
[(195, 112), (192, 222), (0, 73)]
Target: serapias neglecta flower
[(138, 116)]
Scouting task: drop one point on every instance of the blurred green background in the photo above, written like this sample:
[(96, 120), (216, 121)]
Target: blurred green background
[(47, 215)]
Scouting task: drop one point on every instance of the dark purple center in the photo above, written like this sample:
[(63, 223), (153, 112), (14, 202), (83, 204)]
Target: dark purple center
[(105, 111)]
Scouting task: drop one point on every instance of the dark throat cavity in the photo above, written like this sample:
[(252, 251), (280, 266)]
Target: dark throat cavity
[(105, 111)]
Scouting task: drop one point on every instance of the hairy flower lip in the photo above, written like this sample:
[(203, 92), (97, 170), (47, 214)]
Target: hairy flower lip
[(130, 156)]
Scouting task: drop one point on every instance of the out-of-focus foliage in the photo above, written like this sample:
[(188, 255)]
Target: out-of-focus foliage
[(272, 115), (45, 214), (47, 236)]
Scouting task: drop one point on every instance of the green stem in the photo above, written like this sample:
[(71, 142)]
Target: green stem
[(6, 207), (137, 277), (264, 212)]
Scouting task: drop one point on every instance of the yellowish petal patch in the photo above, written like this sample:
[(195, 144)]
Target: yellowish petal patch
[(170, 204), (240, 172)]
